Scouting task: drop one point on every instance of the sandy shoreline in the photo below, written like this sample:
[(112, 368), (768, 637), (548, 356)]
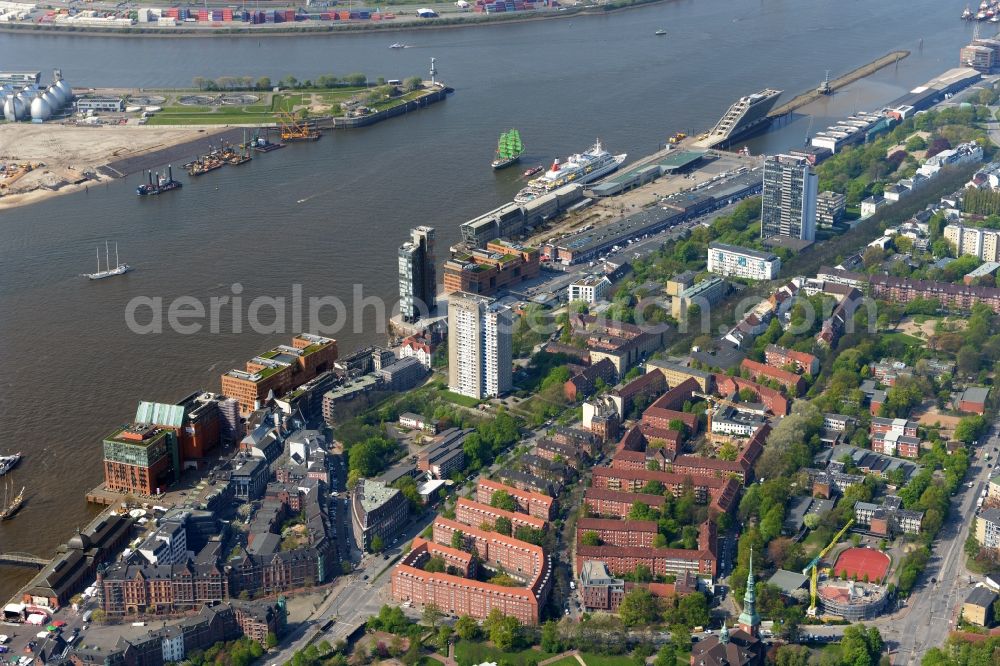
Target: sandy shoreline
[(74, 158)]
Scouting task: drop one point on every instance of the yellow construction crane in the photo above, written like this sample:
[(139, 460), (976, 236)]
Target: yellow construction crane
[(292, 130), (814, 565)]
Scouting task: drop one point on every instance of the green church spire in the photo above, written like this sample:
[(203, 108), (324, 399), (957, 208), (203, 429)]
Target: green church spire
[(749, 620)]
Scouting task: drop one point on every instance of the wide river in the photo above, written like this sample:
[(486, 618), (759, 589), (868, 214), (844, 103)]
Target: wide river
[(330, 215)]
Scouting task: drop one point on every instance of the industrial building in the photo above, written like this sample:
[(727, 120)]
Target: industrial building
[(101, 104), (858, 128), (590, 244), (23, 98)]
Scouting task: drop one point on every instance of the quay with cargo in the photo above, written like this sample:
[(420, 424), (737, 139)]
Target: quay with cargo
[(238, 22)]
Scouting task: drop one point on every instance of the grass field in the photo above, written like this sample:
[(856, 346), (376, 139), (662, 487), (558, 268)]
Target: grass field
[(461, 400), (468, 653), (268, 111), (904, 338)]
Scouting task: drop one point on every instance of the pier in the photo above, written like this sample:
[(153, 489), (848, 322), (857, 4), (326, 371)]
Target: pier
[(839, 82), (23, 560)]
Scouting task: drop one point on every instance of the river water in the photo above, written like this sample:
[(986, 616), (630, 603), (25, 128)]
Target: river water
[(330, 215)]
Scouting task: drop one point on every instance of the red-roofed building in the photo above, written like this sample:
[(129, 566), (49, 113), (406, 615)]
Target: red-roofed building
[(531, 503), (772, 400), (476, 514), (624, 533), (661, 561), (584, 380), (779, 357), (419, 347), (459, 595), (616, 503), (791, 381)]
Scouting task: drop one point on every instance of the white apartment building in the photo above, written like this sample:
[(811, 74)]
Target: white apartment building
[(479, 346), (788, 204), (735, 261), (591, 289), (982, 243)]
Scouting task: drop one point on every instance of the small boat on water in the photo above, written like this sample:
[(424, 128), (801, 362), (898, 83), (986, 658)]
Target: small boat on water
[(8, 463), (119, 269), (528, 173), (11, 507), (967, 15), (660, 32), (397, 45)]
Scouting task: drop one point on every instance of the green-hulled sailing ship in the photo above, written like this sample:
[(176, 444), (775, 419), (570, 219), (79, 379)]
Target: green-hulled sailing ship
[(509, 149)]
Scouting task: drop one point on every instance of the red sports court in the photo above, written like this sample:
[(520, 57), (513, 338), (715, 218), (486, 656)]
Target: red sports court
[(861, 562)]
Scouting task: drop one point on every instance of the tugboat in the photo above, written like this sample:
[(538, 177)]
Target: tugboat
[(204, 164), (528, 173), (509, 149), (161, 184)]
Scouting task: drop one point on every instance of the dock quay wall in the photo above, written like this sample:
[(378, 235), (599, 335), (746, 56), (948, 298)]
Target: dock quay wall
[(234, 134), (513, 219), (377, 117), (839, 82)]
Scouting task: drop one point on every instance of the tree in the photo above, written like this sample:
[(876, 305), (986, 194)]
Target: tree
[(412, 83), (444, 638), (467, 628), (971, 428), (271, 640), (811, 521), (199, 82), (458, 540), (431, 615), (503, 526), (501, 499), (377, 544), (550, 641), (666, 656), (915, 143), (289, 82), (792, 655), (436, 565), (694, 609), (97, 616), (505, 633), (639, 608), (861, 646), (590, 538)]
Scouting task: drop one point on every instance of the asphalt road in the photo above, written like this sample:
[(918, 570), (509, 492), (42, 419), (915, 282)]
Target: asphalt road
[(934, 608)]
